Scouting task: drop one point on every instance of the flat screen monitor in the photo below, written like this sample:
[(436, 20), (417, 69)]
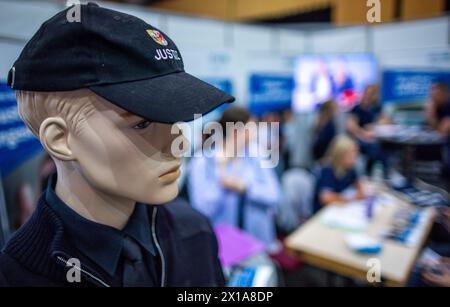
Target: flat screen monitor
[(319, 78)]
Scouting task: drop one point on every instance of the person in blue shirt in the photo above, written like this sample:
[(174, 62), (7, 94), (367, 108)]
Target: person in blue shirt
[(360, 125), (236, 190), (325, 129), (338, 181)]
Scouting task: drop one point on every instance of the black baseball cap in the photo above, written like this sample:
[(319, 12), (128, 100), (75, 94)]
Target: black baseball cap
[(119, 57)]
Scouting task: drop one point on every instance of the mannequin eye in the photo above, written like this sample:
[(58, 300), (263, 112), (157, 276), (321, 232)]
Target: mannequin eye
[(142, 124)]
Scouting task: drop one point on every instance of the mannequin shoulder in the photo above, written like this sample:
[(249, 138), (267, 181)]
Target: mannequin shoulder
[(15, 274), (8, 267), (3, 280)]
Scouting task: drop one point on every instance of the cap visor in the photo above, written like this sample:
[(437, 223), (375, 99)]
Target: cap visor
[(166, 99)]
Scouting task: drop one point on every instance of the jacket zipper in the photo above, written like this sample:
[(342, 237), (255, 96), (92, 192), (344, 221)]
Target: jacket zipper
[(97, 279), (158, 247)]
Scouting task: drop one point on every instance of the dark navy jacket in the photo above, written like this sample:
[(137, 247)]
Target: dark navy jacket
[(37, 254)]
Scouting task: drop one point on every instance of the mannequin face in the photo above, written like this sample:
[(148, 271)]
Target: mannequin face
[(118, 153)]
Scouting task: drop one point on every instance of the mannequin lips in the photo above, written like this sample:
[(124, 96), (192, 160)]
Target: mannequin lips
[(171, 175)]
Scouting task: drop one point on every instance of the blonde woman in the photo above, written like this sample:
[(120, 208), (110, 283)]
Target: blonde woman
[(338, 181)]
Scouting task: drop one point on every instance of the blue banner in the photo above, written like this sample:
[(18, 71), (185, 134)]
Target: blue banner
[(17, 143), (222, 84), (270, 93), (410, 85)]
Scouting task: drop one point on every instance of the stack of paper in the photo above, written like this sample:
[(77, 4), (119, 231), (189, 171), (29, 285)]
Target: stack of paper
[(351, 217)]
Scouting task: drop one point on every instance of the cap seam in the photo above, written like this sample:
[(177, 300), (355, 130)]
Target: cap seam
[(95, 56)]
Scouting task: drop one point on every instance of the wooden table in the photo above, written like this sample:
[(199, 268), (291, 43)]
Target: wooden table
[(324, 247)]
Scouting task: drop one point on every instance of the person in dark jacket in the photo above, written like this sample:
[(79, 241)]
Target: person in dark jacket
[(437, 117), (108, 217), (325, 129), (361, 122)]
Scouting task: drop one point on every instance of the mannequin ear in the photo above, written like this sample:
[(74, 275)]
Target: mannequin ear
[(54, 134)]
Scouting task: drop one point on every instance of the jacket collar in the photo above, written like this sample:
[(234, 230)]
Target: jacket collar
[(106, 246), (41, 247)]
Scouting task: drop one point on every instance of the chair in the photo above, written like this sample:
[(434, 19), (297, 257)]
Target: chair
[(296, 206)]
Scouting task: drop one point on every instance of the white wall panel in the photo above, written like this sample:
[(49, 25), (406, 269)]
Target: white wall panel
[(352, 40), (291, 42), (196, 33), (410, 35), (254, 38)]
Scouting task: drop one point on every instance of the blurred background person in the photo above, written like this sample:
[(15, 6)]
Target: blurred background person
[(324, 129), (338, 181), (235, 190), (437, 109), (361, 122), (439, 276), (437, 272), (287, 138), (274, 137), (437, 116)]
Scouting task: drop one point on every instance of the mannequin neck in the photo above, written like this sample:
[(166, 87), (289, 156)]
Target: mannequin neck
[(95, 205)]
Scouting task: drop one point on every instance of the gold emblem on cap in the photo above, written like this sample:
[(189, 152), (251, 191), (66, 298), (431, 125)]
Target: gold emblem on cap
[(157, 37)]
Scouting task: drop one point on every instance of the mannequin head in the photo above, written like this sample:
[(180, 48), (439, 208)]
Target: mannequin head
[(111, 150), (108, 159)]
